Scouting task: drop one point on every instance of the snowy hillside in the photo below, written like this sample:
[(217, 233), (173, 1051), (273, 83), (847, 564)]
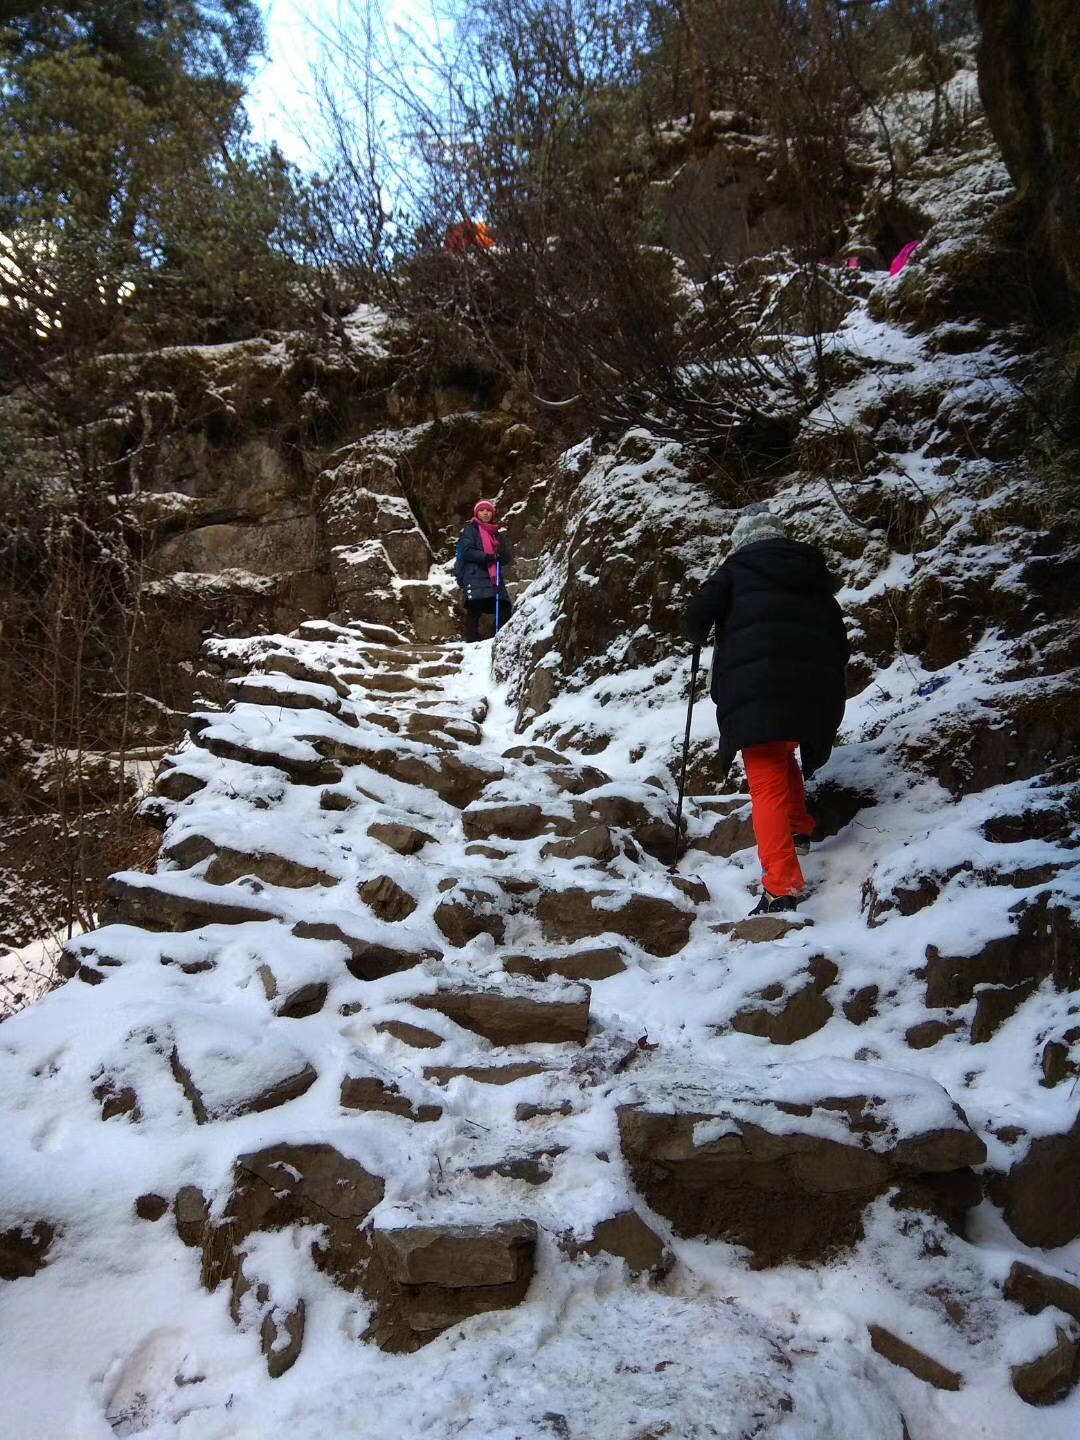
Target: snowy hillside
[(422, 1087)]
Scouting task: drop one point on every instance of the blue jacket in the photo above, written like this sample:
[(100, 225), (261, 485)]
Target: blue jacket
[(471, 569)]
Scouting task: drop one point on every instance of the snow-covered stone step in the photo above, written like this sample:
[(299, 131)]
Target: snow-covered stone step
[(224, 737), (290, 694), (516, 1013), (425, 1277), (813, 1144), (177, 901)]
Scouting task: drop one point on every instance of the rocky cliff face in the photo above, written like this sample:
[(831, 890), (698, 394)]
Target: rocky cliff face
[(1029, 76)]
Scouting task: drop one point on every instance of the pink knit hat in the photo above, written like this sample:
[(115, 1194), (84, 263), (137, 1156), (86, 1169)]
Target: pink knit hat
[(480, 505)]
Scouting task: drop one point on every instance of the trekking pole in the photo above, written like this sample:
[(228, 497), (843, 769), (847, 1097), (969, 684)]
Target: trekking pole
[(498, 587), (694, 659)]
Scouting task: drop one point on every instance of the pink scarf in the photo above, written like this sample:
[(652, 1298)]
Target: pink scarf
[(489, 538)]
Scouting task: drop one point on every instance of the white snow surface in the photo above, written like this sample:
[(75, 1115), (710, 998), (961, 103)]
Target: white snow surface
[(115, 1334)]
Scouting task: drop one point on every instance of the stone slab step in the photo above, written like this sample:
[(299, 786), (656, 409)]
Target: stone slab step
[(514, 1017)]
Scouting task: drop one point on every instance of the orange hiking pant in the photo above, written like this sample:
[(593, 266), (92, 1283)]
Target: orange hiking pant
[(778, 811)]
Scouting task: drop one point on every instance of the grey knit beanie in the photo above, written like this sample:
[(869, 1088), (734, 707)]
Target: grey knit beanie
[(756, 524)]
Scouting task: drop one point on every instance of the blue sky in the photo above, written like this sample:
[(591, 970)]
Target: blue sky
[(278, 101)]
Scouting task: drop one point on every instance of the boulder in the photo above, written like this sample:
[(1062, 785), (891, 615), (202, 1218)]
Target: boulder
[(1040, 1195)]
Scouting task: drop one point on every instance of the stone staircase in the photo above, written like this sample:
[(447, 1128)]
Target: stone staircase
[(370, 946)]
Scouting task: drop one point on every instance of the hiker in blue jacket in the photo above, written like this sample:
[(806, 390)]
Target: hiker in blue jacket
[(483, 553)]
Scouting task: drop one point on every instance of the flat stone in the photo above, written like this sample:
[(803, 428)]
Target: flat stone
[(150, 906), (151, 1207), (450, 777), (261, 690), (1037, 1291), (175, 784), (917, 1362), (592, 843), (656, 924), (794, 1015), (583, 965), (509, 822), (301, 771), (929, 1032), (508, 1018), (994, 1004), (300, 668), (367, 1092), (223, 1078), (484, 1074), (627, 1236), (861, 1006), (403, 839), (654, 832), (414, 1035), (1044, 943), (281, 1337), (229, 865), (762, 929), (459, 1256), (367, 959), (1052, 1376), (729, 835), (535, 1168)]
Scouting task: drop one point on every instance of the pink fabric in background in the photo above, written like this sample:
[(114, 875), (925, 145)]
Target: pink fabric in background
[(902, 258)]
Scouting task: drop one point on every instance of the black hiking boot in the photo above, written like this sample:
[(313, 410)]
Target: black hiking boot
[(802, 844), (774, 904)]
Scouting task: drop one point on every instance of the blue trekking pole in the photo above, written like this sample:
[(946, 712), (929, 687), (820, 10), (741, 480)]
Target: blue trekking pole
[(498, 587)]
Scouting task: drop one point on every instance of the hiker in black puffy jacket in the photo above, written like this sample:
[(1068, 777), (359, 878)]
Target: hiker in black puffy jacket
[(483, 553), (778, 682)]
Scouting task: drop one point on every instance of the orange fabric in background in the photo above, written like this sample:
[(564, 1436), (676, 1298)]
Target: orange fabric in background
[(468, 235), (778, 803)]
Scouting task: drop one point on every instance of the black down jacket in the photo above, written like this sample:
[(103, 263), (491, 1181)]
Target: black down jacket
[(781, 650), (472, 564)]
